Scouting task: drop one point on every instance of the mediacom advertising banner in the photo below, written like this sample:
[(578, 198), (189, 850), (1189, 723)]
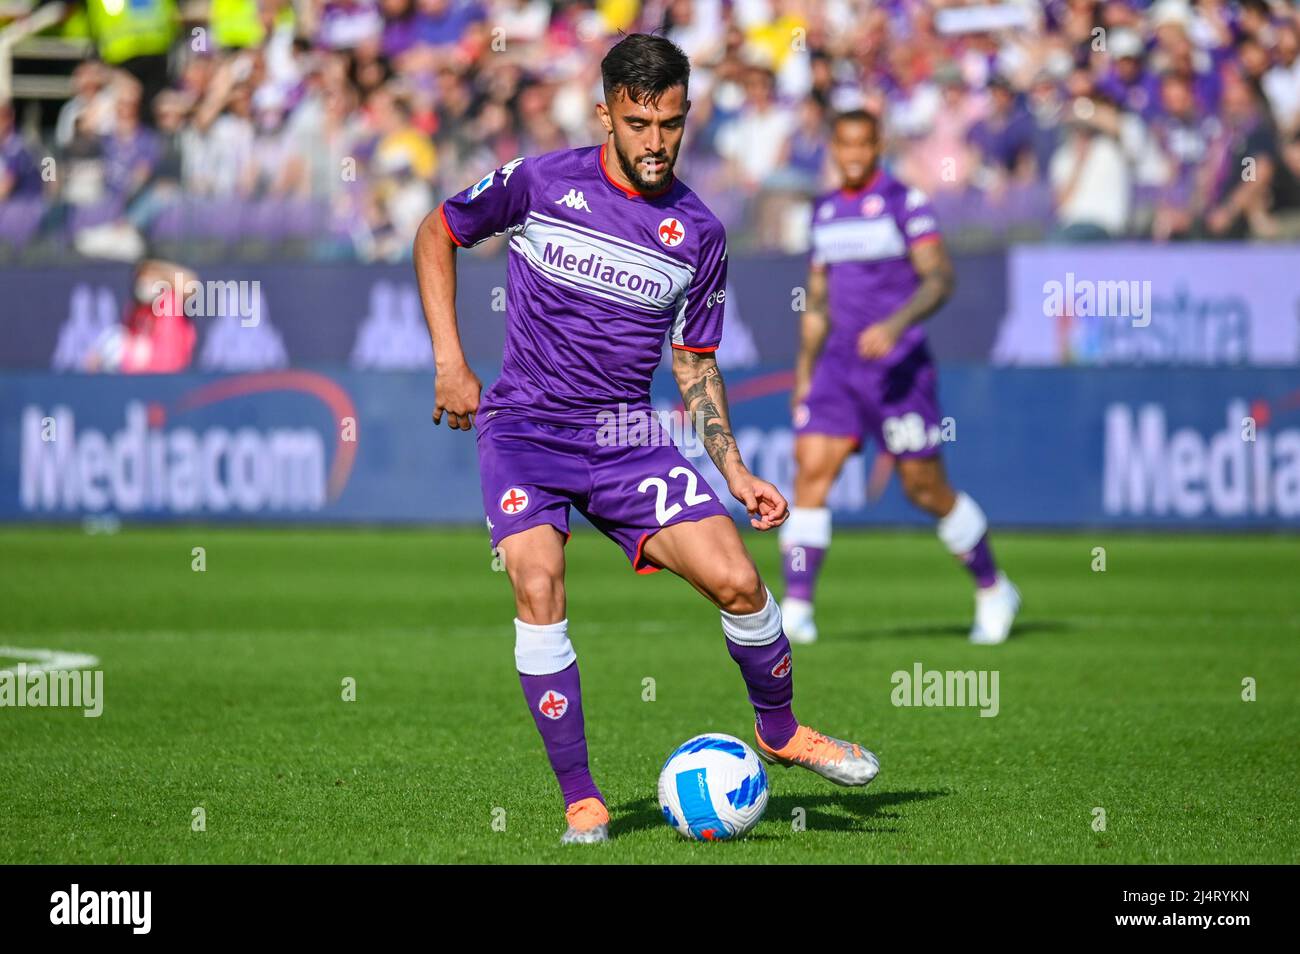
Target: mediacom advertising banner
[(1068, 447), (1208, 305)]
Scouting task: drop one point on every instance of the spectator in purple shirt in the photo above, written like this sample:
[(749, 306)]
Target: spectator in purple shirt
[(1127, 83), (1184, 137), (1005, 138), (401, 27), (19, 175), (130, 151), (444, 22)]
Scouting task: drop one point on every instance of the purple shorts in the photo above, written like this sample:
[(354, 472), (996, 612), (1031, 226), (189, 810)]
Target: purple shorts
[(533, 472), (897, 405)]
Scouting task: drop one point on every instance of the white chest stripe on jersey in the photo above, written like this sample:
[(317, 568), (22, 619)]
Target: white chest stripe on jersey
[(857, 240), (602, 265)]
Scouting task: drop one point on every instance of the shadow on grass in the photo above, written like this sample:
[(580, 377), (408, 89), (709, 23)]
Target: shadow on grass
[(1027, 628), (843, 810)]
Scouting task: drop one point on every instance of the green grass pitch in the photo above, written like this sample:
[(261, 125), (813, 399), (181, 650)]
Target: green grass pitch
[(223, 690)]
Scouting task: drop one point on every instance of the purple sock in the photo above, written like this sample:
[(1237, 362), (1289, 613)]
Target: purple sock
[(979, 561), (556, 704), (802, 563), (767, 671)]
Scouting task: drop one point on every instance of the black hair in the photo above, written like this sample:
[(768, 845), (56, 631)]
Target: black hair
[(646, 66), (856, 116)]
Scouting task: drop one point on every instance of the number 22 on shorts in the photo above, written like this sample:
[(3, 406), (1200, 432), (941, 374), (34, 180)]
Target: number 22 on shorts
[(664, 513)]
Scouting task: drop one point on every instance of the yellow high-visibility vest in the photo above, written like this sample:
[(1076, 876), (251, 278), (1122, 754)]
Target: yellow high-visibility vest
[(125, 29), (235, 23)]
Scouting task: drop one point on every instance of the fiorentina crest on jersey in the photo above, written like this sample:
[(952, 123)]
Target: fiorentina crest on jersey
[(513, 501), (872, 206), (672, 232), (553, 704)]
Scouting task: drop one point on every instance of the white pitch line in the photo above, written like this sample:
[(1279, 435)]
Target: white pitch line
[(46, 660)]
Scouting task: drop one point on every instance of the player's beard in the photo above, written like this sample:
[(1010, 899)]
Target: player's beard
[(634, 175)]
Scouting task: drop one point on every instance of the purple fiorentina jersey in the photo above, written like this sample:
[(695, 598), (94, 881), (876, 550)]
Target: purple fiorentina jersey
[(597, 276), (861, 238)]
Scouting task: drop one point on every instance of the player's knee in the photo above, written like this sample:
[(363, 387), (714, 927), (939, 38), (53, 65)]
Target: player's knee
[(932, 496), (539, 594), (811, 489), (739, 589)]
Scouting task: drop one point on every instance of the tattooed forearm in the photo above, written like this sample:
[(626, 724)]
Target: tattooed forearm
[(705, 398)]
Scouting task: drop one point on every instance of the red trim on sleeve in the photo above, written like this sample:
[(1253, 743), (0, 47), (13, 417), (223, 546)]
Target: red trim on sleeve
[(927, 237), (443, 215), (696, 350)]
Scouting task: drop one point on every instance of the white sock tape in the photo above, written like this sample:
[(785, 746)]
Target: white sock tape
[(962, 528), (542, 650), (807, 527), (754, 629)]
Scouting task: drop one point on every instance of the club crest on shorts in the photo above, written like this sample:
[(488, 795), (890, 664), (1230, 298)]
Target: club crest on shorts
[(553, 704), (514, 501), (671, 232), (801, 415), (783, 667)]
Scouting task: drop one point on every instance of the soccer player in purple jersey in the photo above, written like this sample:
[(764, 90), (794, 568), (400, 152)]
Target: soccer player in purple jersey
[(864, 369), (610, 253)]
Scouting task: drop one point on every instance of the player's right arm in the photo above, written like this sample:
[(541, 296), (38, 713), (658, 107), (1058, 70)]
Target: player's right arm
[(813, 328), (497, 202), (456, 388)]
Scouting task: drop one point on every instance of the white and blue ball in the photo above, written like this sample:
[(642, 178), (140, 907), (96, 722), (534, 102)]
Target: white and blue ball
[(713, 787)]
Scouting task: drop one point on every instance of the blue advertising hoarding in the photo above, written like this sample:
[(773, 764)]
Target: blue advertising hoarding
[(1065, 447)]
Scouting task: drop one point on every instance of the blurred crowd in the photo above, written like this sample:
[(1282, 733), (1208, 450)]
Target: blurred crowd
[(329, 128)]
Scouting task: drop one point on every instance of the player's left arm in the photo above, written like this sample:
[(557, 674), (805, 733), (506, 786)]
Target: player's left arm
[(933, 267), (705, 398)]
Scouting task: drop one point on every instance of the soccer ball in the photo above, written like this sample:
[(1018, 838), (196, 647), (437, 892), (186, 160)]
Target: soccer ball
[(713, 787)]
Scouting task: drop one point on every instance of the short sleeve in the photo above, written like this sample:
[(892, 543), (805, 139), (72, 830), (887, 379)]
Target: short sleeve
[(916, 218), (816, 257), (697, 326), (494, 204)]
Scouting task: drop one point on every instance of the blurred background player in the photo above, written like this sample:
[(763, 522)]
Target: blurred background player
[(879, 269), (611, 253)]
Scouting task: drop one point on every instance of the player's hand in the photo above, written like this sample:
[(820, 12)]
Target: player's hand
[(878, 340), (456, 393), (767, 508)]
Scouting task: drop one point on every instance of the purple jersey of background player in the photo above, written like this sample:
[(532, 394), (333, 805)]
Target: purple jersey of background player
[(598, 275), (862, 237)]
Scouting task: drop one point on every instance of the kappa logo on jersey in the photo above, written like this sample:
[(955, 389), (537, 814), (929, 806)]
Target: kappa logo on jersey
[(915, 199), (553, 705), (825, 212), (672, 232), (514, 501), (872, 206), (782, 668), (574, 200), (509, 169)]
